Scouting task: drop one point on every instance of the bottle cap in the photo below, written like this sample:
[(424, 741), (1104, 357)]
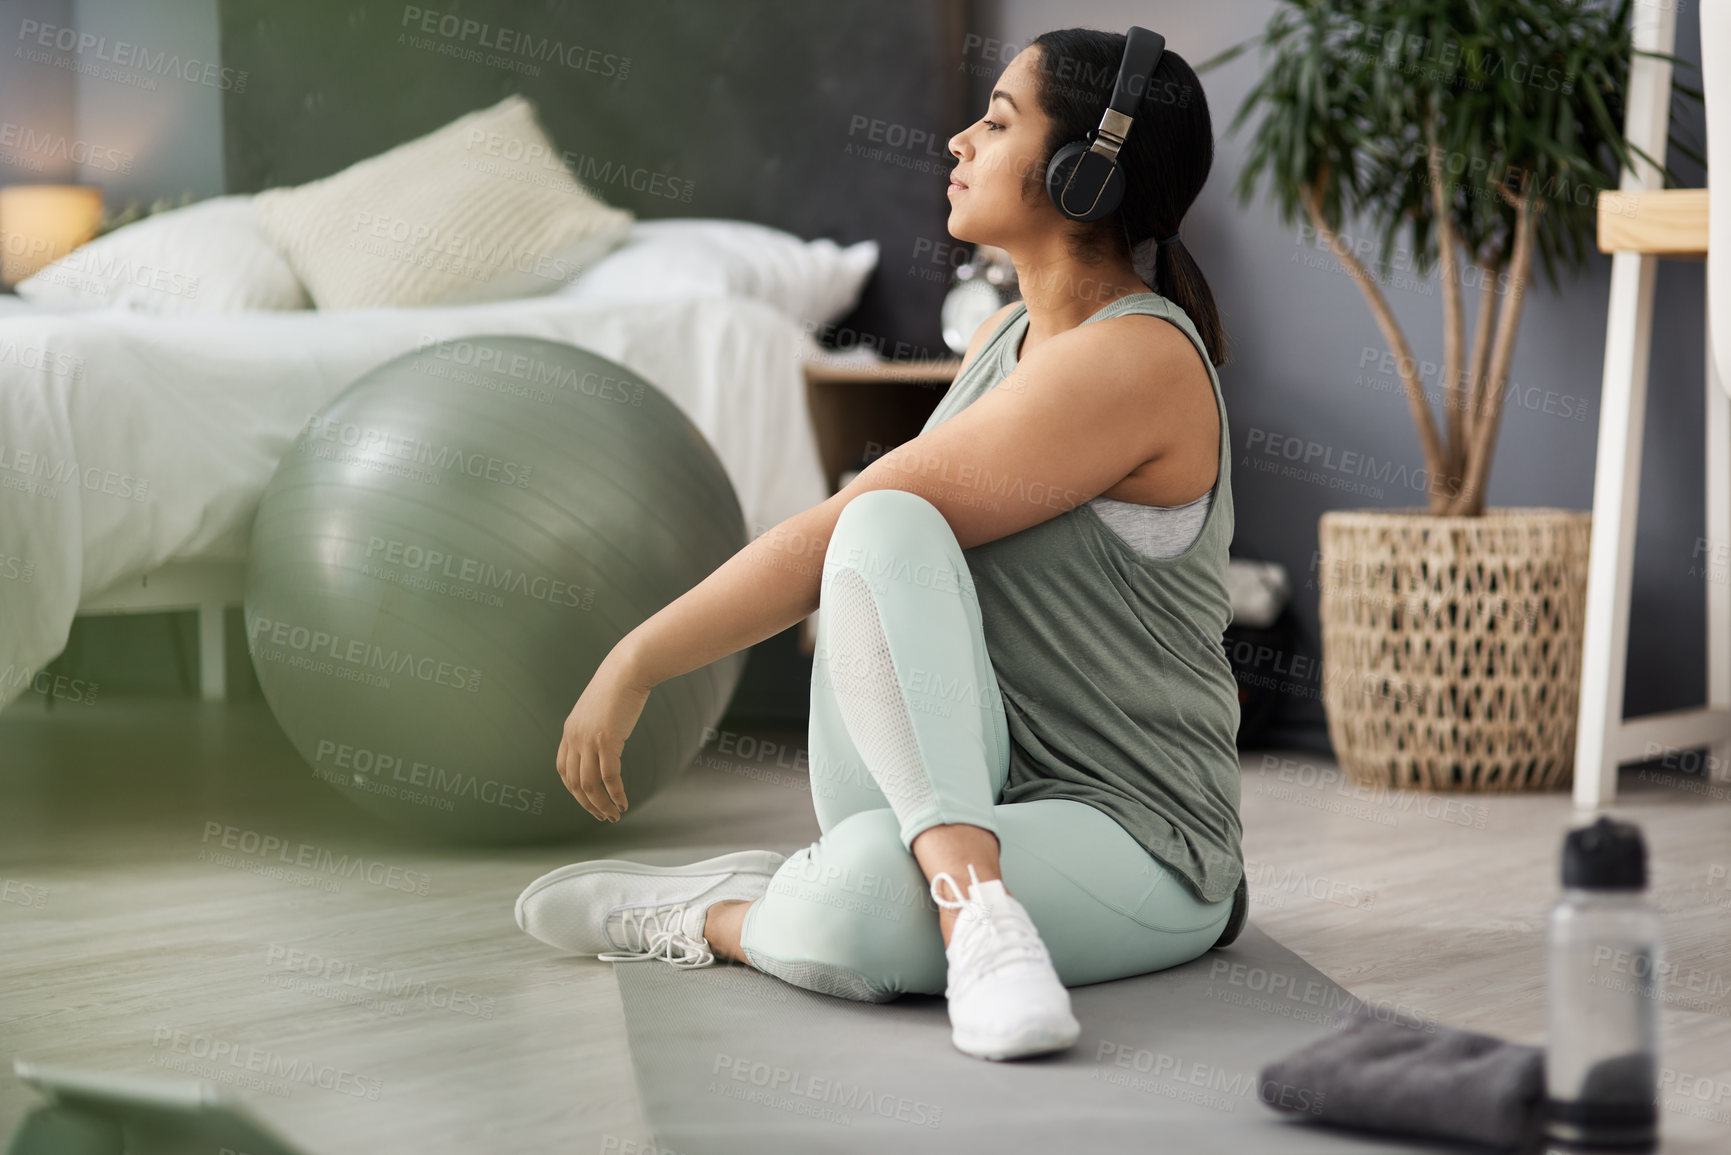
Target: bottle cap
[(1607, 855)]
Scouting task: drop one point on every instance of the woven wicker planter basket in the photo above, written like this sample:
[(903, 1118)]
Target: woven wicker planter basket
[(1451, 646)]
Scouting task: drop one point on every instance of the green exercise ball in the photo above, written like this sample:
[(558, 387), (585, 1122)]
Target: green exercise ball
[(444, 556)]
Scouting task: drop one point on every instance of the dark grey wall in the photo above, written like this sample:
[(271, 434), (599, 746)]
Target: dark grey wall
[(1300, 330)]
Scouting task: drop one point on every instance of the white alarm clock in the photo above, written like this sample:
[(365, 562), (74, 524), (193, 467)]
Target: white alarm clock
[(976, 295)]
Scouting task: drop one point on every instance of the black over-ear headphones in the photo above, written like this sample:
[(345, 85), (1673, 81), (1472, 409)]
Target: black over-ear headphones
[(1083, 178)]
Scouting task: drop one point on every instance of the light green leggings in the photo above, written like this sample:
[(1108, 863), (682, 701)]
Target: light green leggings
[(908, 731)]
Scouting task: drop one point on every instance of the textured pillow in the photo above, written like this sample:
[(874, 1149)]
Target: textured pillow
[(815, 282), (209, 257), (482, 209)]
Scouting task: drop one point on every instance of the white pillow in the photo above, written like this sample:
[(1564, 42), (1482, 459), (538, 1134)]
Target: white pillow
[(483, 209), (815, 282), (209, 257)]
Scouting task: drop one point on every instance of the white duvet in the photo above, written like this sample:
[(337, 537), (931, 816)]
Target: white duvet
[(129, 440)]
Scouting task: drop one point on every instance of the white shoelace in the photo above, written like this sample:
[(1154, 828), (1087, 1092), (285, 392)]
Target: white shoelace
[(1010, 939), (656, 940)]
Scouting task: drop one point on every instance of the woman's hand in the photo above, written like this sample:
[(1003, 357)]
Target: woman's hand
[(595, 733)]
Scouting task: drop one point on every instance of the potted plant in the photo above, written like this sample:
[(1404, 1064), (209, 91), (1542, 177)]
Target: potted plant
[(1451, 634)]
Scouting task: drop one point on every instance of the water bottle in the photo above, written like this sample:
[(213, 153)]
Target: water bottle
[(1601, 1053)]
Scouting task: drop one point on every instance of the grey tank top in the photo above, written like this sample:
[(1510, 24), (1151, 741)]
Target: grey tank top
[(1112, 664)]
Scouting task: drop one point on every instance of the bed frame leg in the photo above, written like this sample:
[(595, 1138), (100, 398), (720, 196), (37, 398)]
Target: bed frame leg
[(212, 653)]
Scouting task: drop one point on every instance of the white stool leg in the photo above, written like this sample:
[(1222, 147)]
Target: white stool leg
[(1718, 554), (1611, 552), (1622, 416)]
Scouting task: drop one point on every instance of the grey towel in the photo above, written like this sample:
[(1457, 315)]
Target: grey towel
[(1400, 1074)]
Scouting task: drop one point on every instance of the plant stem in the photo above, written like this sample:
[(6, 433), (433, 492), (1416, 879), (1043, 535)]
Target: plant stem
[(1471, 501), (1453, 457), (1481, 353)]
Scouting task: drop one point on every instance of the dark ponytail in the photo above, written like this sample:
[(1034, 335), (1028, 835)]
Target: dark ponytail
[(1165, 161)]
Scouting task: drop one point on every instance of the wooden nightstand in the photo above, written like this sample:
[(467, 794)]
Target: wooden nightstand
[(860, 409)]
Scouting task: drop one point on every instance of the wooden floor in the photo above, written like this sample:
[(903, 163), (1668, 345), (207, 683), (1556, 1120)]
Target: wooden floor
[(440, 1027)]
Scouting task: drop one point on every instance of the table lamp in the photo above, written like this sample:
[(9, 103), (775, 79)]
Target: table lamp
[(40, 223)]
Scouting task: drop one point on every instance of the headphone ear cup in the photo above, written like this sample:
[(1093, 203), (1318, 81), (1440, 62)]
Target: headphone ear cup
[(1085, 180), (1058, 171)]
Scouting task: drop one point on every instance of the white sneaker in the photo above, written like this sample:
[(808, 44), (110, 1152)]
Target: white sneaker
[(623, 911), (1006, 999)]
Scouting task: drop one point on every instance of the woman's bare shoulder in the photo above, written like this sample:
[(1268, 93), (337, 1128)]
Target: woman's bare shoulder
[(985, 331)]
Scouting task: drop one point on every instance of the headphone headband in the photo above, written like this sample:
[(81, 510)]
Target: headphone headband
[(1083, 179), (1142, 51)]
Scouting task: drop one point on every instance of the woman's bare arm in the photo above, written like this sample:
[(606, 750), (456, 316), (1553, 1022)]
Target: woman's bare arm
[(762, 590), (769, 585)]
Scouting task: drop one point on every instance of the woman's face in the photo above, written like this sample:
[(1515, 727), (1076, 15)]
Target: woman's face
[(996, 159)]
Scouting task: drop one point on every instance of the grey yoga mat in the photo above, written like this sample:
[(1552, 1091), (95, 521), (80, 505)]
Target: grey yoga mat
[(729, 1060)]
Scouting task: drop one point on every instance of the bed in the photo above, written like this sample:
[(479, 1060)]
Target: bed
[(137, 447)]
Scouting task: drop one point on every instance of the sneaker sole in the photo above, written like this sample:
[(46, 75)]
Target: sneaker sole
[(739, 862), (1034, 1042)]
